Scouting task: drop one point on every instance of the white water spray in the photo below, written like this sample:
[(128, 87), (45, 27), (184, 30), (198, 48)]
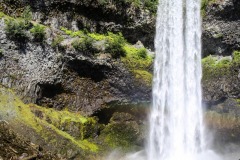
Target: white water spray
[(176, 120)]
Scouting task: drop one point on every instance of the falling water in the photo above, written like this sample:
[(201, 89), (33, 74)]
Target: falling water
[(176, 128)]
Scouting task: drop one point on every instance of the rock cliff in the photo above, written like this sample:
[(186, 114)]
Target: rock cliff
[(88, 85)]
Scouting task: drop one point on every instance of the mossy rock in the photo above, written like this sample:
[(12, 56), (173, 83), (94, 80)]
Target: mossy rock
[(123, 132), (56, 131)]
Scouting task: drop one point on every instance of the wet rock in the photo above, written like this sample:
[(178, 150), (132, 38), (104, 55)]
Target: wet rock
[(221, 29), (123, 131)]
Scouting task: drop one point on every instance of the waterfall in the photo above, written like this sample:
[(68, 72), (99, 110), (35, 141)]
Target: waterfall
[(176, 120)]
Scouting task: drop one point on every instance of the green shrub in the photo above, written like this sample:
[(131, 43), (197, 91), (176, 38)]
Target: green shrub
[(151, 5), (224, 62), (16, 29), (236, 57), (72, 33), (114, 45), (142, 53), (38, 32), (213, 67), (27, 14), (139, 63), (136, 53), (84, 44), (56, 41), (204, 4), (97, 36)]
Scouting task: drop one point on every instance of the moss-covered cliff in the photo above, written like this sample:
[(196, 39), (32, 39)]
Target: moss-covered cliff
[(76, 75), (68, 79)]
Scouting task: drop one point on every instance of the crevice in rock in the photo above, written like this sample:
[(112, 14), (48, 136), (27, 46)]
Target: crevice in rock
[(104, 115), (138, 110), (86, 69), (50, 90), (47, 92)]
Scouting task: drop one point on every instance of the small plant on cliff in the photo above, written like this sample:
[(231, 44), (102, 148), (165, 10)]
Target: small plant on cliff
[(84, 44), (57, 41), (27, 16), (16, 29), (115, 43), (73, 33), (151, 5), (236, 57), (142, 53), (204, 4), (38, 32), (139, 63)]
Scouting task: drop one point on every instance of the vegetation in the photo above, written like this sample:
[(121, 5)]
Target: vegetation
[(150, 5), (38, 32), (204, 4), (121, 132), (72, 33), (138, 62), (115, 44), (27, 16), (236, 57), (97, 36), (57, 41), (53, 126), (215, 66), (84, 44), (16, 29)]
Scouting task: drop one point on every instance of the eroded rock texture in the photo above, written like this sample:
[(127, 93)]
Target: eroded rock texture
[(221, 28)]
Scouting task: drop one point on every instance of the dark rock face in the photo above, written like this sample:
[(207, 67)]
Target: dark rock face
[(221, 28), (68, 78), (219, 88), (134, 22), (221, 36)]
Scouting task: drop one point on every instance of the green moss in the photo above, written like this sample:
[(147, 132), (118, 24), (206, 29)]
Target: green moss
[(97, 37), (16, 29), (73, 33), (47, 123), (113, 42), (57, 41), (3, 15), (204, 4), (123, 134), (236, 57), (114, 45), (38, 31), (144, 75), (84, 44), (214, 67), (138, 62)]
